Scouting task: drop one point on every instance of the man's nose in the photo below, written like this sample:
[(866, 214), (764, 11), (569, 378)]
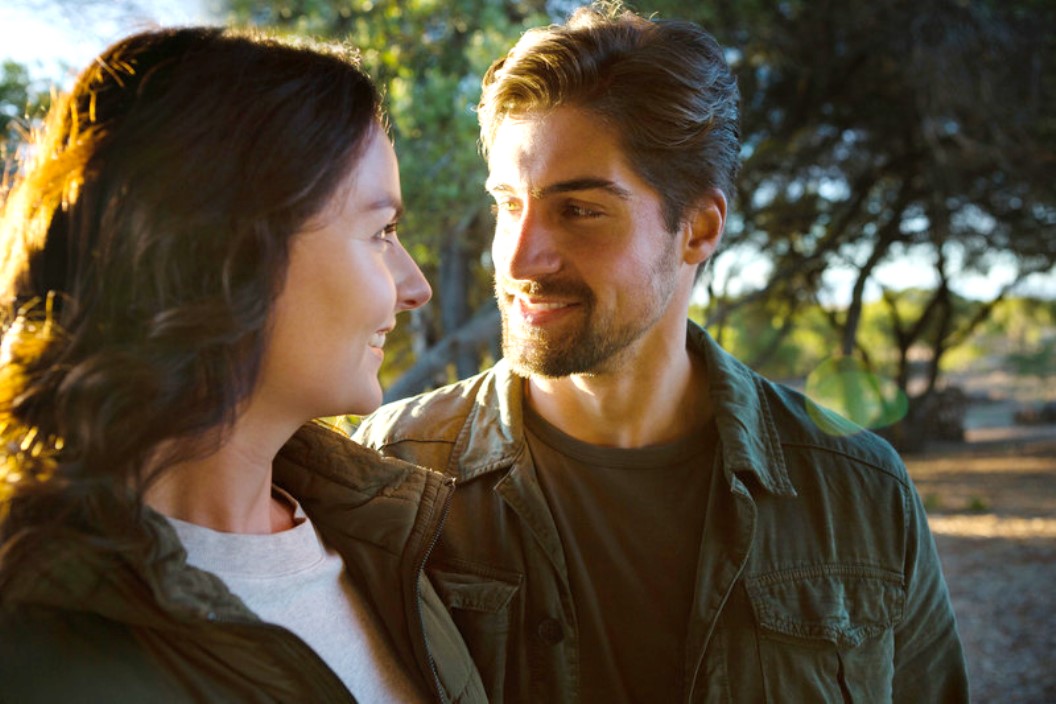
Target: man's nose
[(526, 248)]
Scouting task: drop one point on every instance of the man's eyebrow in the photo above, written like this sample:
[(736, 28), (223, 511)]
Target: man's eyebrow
[(571, 185)]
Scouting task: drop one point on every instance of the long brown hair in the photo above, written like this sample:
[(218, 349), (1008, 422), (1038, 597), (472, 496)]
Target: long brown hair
[(143, 248)]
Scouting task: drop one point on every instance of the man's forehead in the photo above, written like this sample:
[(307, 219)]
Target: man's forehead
[(562, 150)]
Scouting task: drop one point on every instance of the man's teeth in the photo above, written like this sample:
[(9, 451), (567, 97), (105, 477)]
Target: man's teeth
[(377, 340), (541, 306)]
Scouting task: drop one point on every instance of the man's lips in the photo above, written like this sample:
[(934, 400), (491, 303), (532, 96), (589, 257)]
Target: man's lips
[(539, 310), (538, 302), (530, 305)]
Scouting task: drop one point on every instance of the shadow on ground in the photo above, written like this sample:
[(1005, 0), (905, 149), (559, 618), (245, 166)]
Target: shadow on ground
[(992, 508)]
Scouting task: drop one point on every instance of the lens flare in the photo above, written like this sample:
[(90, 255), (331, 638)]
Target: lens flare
[(846, 386)]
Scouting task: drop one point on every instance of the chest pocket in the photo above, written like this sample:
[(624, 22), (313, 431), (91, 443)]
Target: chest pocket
[(826, 632), (481, 604)]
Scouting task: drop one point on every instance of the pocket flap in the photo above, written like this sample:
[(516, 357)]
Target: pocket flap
[(838, 603), (472, 592)]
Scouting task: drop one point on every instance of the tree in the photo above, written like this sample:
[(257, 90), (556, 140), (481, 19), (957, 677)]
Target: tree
[(871, 129), (20, 102), (429, 58)]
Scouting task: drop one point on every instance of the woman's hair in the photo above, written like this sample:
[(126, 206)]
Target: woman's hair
[(143, 246)]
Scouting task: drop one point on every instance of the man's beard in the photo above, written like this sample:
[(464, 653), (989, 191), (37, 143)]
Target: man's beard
[(594, 344)]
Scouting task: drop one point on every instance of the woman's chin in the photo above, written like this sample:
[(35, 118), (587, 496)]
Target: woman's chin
[(367, 401)]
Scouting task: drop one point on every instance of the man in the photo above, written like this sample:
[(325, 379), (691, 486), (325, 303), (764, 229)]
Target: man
[(639, 517)]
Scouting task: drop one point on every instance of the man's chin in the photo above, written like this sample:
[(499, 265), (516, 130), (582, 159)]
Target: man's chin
[(535, 370), (528, 360)]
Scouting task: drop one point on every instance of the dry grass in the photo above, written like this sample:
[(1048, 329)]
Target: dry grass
[(992, 508)]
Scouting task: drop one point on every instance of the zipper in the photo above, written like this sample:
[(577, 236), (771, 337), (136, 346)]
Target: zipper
[(448, 481)]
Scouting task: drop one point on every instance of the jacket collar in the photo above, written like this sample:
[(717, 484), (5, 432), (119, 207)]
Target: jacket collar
[(330, 475), (147, 583), (150, 583), (750, 440), (492, 437)]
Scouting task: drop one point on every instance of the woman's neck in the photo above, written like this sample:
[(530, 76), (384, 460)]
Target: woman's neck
[(229, 489)]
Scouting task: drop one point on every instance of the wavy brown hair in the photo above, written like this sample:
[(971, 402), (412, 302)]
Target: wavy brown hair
[(664, 86), (143, 248)]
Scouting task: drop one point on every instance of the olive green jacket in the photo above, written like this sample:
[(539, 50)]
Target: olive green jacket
[(81, 625), (818, 579)]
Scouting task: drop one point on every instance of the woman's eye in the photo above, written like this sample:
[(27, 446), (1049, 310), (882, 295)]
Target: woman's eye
[(388, 234), (504, 206)]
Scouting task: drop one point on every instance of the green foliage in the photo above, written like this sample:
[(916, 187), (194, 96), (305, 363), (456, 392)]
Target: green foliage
[(873, 129), (869, 128), (757, 334), (932, 502), (21, 101), (14, 92), (428, 56), (1019, 336), (849, 387), (1038, 363)]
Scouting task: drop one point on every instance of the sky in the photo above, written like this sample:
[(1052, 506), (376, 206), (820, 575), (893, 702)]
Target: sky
[(54, 39), (911, 270)]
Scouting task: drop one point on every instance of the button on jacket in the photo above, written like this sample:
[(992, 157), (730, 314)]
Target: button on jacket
[(81, 625), (817, 580)]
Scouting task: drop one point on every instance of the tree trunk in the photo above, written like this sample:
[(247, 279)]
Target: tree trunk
[(454, 304), (479, 332)]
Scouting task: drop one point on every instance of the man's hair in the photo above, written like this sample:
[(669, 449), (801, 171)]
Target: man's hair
[(663, 86), (144, 245)]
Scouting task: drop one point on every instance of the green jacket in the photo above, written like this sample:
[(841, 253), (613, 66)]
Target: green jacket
[(818, 579), (81, 625)]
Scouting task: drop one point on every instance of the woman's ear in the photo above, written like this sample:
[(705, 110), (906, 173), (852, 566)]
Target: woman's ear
[(702, 229)]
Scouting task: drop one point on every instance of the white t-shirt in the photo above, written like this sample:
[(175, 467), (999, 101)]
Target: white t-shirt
[(293, 580)]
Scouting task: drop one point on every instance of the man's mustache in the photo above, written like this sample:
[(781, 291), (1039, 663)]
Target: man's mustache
[(546, 287)]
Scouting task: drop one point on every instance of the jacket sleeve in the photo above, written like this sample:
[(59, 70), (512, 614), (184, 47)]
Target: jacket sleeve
[(929, 660)]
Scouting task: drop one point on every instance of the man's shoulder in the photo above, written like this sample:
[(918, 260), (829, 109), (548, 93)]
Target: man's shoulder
[(808, 427), (436, 416)]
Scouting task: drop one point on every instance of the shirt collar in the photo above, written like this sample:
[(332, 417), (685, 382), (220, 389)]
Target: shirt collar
[(492, 437)]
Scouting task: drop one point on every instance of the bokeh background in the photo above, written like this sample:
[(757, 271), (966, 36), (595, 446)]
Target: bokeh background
[(891, 249)]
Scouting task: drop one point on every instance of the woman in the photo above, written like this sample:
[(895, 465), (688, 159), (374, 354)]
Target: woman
[(201, 258)]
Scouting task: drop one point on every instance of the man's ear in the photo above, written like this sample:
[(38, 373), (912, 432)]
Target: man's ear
[(703, 227)]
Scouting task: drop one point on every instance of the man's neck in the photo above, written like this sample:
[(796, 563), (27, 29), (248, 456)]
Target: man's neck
[(641, 403)]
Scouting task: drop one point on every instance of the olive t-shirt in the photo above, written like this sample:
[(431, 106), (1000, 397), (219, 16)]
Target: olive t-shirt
[(630, 522)]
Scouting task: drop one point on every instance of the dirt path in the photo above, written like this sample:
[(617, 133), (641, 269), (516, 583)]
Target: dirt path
[(992, 508)]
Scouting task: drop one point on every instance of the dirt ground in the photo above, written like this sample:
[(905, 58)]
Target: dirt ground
[(992, 507)]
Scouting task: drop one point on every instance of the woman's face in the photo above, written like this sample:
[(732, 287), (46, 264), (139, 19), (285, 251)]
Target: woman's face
[(348, 276)]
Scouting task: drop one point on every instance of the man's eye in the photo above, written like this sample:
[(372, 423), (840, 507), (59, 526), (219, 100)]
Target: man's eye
[(578, 211)]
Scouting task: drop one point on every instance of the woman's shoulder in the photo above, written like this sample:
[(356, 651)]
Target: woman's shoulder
[(52, 655)]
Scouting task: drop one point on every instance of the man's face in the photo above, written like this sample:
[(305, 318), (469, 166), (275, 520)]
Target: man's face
[(584, 267)]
